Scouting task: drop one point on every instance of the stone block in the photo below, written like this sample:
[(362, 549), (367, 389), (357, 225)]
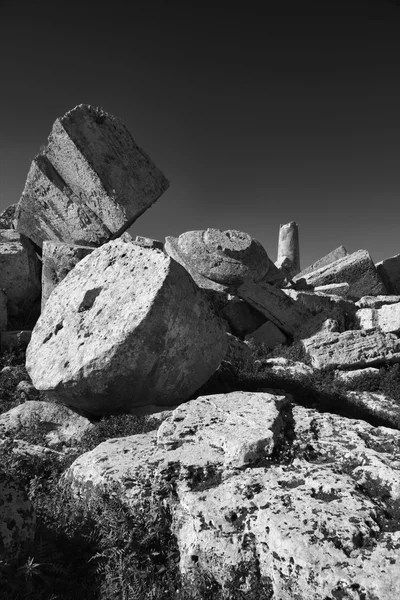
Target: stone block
[(19, 271), (91, 182), (333, 256), (356, 269), (389, 271), (386, 318), (275, 305), (58, 260), (148, 242)]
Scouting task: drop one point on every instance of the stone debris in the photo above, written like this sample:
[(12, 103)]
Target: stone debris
[(226, 257), (59, 425), (125, 329), (17, 517), (352, 349), (89, 184), (7, 217), (389, 272), (275, 305), (269, 335), (58, 259), (288, 249), (356, 269), (386, 318), (333, 256), (19, 271)]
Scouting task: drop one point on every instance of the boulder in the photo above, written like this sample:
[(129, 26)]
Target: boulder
[(329, 306), (389, 272), (57, 424), (241, 317), (226, 257), (147, 242), (275, 305), (7, 217), (268, 334), (90, 182), (356, 269), (58, 260), (302, 504), (19, 272), (333, 256), (386, 318), (126, 328), (352, 349), (17, 518)]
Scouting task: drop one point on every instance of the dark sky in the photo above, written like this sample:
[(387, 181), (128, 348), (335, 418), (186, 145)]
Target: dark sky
[(258, 115)]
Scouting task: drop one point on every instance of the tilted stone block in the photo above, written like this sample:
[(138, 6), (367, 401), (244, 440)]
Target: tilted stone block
[(90, 182), (333, 256), (356, 269), (389, 271), (19, 271), (58, 260)]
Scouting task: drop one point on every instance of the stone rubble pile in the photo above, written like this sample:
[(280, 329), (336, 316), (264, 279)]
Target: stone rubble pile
[(117, 325)]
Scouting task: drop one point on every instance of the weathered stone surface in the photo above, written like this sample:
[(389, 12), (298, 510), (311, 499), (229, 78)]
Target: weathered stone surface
[(58, 259), (19, 271), (148, 242), (226, 257), (3, 311), (337, 289), (17, 517), (288, 248), (386, 318), (7, 217), (268, 334), (126, 328), (15, 339), (353, 349), (356, 269), (376, 301), (275, 305), (90, 181), (333, 256), (59, 424), (389, 272), (241, 317), (275, 276), (323, 524), (329, 306)]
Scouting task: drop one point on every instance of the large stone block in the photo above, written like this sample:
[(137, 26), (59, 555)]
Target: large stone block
[(389, 271), (386, 318), (275, 305), (58, 260), (19, 271), (90, 182), (333, 256), (356, 269), (126, 328)]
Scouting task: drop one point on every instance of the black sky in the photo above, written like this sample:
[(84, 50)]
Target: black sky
[(258, 115)]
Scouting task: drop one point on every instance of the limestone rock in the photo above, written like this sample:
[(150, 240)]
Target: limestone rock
[(268, 334), (288, 248), (7, 217), (386, 318), (91, 181), (17, 517), (389, 272), (125, 329), (59, 424), (19, 271), (275, 305), (58, 260), (356, 269), (353, 349), (241, 317), (226, 257), (333, 256)]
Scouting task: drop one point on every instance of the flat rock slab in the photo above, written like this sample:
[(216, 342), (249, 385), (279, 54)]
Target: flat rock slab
[(356, 269), (226, 257), (323, 524), (352, 349), (386, 318), (19, 271), (328, 259), (126, 328), (58, 259), (287, 314), (89, 182), (58, 424), (389, 271)]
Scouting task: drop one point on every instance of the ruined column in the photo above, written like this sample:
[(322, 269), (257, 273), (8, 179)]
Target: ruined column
[(288, 248)]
